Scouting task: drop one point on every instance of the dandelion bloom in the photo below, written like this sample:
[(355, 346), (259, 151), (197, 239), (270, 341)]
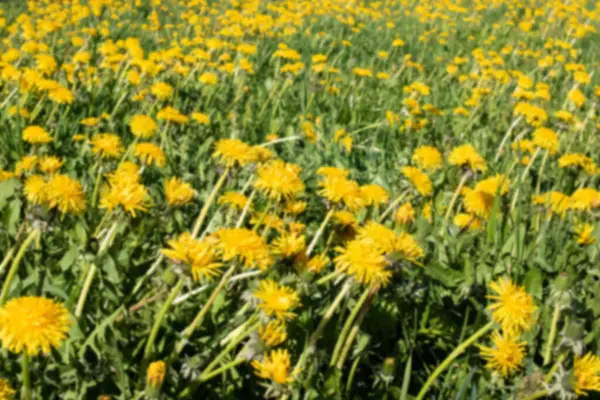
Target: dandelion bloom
[(585, 234), (6, 391), (172, 115), (427, 157), (107, 145), (161, 90), (364, 261), (419, 179), (317, 263), (50, 164), (35, 189), (556, 202), (156, 373), (274, 366), (467, 155), (276, 299), (36, 135), (405, 214), (245, 244), (495, 184), (25, 164), (32, 324), (125, 192), (234, 199), (289, 244), (467, 221), (61, 95), (374, 194), (478, 202), (232, 152), (338, 189), (199, 254), (65, 194), (142, 126), (578, 160), (150, 154), (177, 192), (506, 355), (201, 118), (513, 307), (380, 236), (273, 333), (576, 97), (407, 246), (278, 180), (295, 207), (584, 199), (547, 139), (345, 218), (587, 374)]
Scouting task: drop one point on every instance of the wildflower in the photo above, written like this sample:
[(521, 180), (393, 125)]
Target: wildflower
[(106, 145), (198, 254), (276, 299), (50, 164), (273, 333), (555, 201), (338, 190), (156, 373), (36, 135), (289, 244), (161, 90), (61, 95), (467, 155), (172, 115), (25, 164), (345, 218), (362, 72), (535, 116), (513, 307), (578, 160), (232, 152), (32, 324), (405, 214), (584, 199), (35, 189), (5, 175), (419, 179), (142, 126), (333, 172), (467, 221), (374, 194), (585, 234), (382, 237), (477, 202), (201, 118), (364, 261), (506, 356), (208, 78), (124, 191), (278, 180), (6, 391), (576, 97), (295, 207), (495, 184), (245, 244), (427, 157), (177, 192), (65, 194), (274, 366), (547, 139), (317, 263), (150, 154), (234, 199), (408, 247), (587, 374)]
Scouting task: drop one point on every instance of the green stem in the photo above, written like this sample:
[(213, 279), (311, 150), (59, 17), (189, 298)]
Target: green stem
[(159, 319), (352, 374), (552, 336), (539, 395), (187, 333), (96, 187), (85, 290), (15, 264), (328, 277), (187, 393), (6, 259), (347, 325), (209, 201), (393, 205), (457, 351), (26, 376), (315, 240), (462, 182), (552, 370)]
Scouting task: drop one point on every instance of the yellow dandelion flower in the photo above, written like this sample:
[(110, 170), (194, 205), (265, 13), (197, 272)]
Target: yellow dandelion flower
[(427, 157), (364, 261), (125, 192), (25, 164), (578, 160), (467, 155), (576, 97), (234, 199), (142, 126), (289, 244), (382, 237), (587, 374), (405, 214), (420, 180), (156, 373), (232, 152), (150, 154), (477, 202), (317, 263), (201, 118), (35, 189), (65, 194), (161, 90), (244, 244), (274, 366), (177, 192), (208, 78), (276, 299), (279, 180), (295, 207), (584, 199), (407, 246), (172, 115), (106, 145), (495, 184), (338, 189), (555, 201), (547, 139), (198, 254), (90, 121), (345, 218), (273, 333), (50, 164), (127, 170), (467, 221), (374, 194), (513, 307), (506, 355), (585, 234), (36, 135), (32, 324), (61, 95), (6, 391)]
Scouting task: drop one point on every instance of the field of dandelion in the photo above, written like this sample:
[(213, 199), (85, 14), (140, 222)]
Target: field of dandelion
[(338, 199)]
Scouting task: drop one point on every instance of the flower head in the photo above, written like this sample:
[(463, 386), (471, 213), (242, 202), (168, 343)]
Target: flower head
[(274, 366), (6, 391), (289, 244), (178, 192), (65, 194), (142, 126), (232, 152), (427, 157), (513, 307), (32, 324), (467, 155), (150, 154), (546, 139), (276, 299), (234, 199), (124, 190), (36, 135), (374, 194), (587, 374), (199, 254), (339, 189), (405, 214), (585, 234), (156, 373), (419, 179), (245, 244), (273, 333), (50, 164), (35, 189), (279, 180), (364, 261), (106, 145), (506, 355)]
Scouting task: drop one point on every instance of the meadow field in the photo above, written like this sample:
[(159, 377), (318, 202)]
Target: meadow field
[(299, 199)]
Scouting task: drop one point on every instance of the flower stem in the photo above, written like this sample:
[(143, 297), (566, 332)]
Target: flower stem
[(347, 325), (187, 333), (538, 395), (315, 240), (96, 187), (26, 376), (209, 201), (15, 264), (552, 336), (457, 351), (186, 394), (85, 290), (462, 182), (159, 318), (391, 207)]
